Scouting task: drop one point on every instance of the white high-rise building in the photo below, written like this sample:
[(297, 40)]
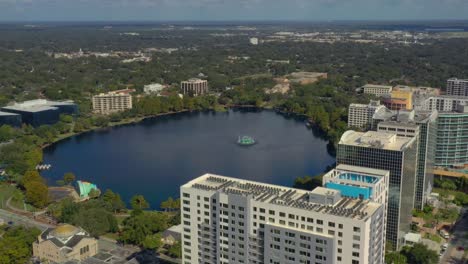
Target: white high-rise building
[(442, 103), (457, 87), (360, 115), (228, 220)]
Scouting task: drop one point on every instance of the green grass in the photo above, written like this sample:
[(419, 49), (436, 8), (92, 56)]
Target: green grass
[(6, 191), (113, 236), (435, 238)]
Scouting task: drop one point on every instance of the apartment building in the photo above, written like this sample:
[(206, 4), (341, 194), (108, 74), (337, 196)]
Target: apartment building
[(441, 103), (194, 87), (377, 90), (398, 155), (112, 102), (457, 87), (228, 220), (360, 115)]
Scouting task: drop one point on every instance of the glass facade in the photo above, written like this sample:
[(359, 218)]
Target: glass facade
[(426, 152), (10, 119), (401, 165), (452, 140)]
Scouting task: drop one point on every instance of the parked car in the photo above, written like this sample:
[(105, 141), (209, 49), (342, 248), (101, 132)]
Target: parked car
[(445, 246), (460, 248)]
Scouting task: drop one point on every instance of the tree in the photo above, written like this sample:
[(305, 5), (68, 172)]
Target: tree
[(16, 244), (97, 221), (31, 176), (113, 201), (152, 241), (420, 254), (69, 177), (170, 204), (395, 258), (66, 118), (94, 193), (175, 250), (138, 202), (6, 133), (37, 194), (138, 226), (308, 183), (448, 185)]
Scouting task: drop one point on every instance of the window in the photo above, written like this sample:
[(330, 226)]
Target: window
[(356, 229), (331, 224)]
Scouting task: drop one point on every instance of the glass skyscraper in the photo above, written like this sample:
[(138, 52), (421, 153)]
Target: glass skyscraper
[(398, 155), (452, 138)]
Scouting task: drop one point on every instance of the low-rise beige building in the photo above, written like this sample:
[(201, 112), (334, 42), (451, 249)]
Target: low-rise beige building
[(112, 102), (64, 243)]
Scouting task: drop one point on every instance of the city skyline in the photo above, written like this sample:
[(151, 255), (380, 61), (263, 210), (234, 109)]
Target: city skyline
[(219, 10)]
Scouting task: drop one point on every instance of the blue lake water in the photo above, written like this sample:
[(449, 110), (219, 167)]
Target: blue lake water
[(156, 156)]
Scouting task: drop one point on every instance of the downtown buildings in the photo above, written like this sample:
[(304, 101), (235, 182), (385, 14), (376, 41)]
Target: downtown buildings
[(227, 220), (361, 115)]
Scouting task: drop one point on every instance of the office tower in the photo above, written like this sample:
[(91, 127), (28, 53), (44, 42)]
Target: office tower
[(377, 90), (452, 138), (112, 102), (386, 151), (194, 87), (360, 115), (423, 125), (457, 87), (227, 220)]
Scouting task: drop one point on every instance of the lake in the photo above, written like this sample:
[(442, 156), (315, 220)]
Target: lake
[(156, 156)]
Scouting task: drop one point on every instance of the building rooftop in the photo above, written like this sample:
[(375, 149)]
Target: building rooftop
[(285, 196), (343, 169), (64, 235), (378, 86), (373, 139), (194, 80), (37, 105), (7, 114)]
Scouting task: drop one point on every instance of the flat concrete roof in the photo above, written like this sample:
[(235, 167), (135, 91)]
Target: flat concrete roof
[(37, 105), (8, 114), (374, 139), (279, 195)]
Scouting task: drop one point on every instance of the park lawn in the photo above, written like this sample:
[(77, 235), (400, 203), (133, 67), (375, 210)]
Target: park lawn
[(6, 191), (113, 236), (435, 238)]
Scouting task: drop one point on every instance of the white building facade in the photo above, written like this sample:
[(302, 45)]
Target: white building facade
[(457, 87), (227, 220), (360, 115)]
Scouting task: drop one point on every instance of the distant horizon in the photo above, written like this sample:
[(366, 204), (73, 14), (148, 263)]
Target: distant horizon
[(396, 21)]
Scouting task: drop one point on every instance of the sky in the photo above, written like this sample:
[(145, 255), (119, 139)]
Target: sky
[(208, 10)]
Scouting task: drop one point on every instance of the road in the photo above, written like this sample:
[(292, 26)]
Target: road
[(22, 220), (459, 238)]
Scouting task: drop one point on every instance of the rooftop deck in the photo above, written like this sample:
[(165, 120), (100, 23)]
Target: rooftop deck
[(284, 196)]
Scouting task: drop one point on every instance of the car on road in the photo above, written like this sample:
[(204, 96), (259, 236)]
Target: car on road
[(460, 248), (445, 246), (10, 223)]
